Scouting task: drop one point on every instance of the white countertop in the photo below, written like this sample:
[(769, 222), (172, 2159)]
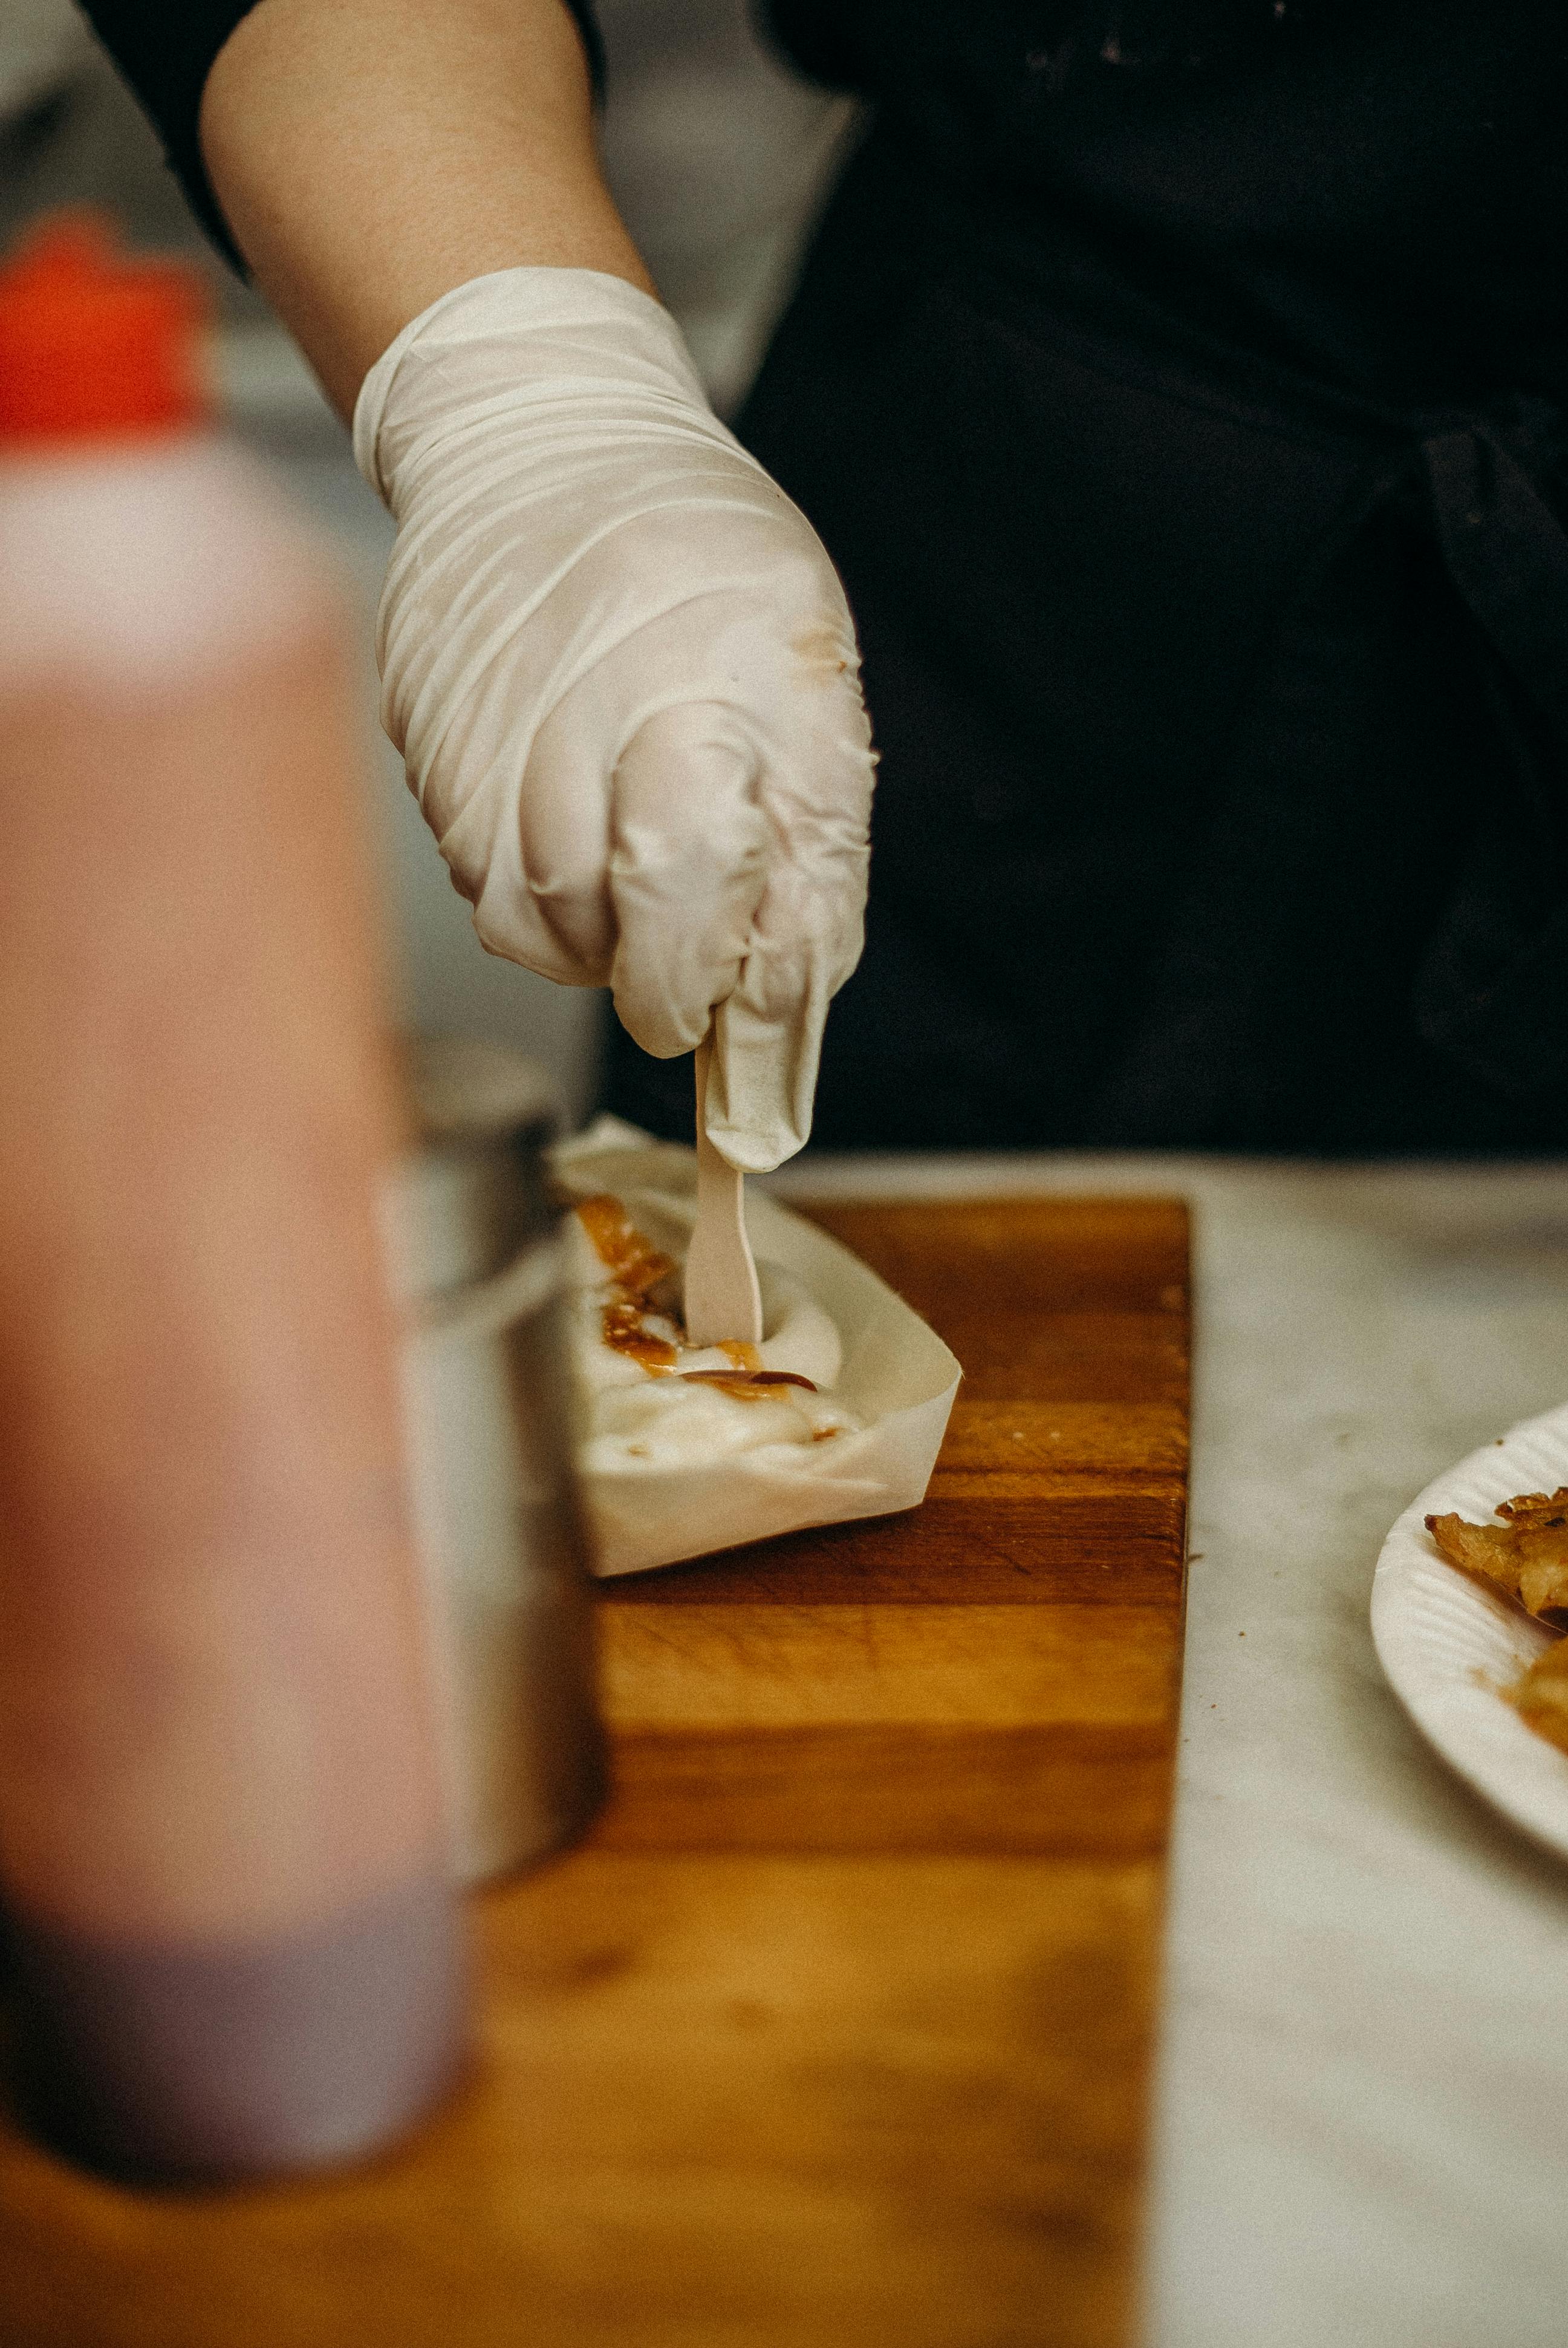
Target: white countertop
[(1362, 2133)]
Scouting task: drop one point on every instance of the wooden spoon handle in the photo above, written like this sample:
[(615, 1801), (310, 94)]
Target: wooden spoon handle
[(723, 1300)]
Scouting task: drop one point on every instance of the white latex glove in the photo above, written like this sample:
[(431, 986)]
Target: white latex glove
[(621, 669)]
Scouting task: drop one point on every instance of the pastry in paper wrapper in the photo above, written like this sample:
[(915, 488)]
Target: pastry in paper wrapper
[(841, 1413)]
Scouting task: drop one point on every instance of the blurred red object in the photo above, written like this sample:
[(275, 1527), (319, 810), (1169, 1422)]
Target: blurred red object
[(95, 341)]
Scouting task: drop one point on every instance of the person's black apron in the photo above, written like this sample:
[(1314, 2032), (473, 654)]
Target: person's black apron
[(1223, 703)]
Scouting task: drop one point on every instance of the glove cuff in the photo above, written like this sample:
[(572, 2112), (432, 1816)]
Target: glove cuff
[(513, 304)]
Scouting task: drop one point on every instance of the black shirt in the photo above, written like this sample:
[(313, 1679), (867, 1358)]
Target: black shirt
[(1374, 190), (1369, 189)]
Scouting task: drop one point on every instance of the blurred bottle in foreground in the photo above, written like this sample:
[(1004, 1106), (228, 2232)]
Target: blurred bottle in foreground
[(221, 1845)]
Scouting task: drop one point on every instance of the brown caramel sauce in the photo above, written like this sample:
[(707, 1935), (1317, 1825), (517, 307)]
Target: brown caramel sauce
[(623, 1332), (637, 1267), (633, 1264), (755, 1385)]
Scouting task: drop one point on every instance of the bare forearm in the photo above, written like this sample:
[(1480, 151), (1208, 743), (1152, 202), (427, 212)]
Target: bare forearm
[(370, 155)]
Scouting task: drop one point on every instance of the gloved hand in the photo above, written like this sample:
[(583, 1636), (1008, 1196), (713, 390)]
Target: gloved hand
[(621, 669)]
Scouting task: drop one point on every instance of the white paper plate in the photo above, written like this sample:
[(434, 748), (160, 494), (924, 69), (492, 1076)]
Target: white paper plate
[(1448, 1642)]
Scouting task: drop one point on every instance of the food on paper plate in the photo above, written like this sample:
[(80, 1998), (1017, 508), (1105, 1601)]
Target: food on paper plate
[(652, 1400), (1527, 1555), (1541, 1697)]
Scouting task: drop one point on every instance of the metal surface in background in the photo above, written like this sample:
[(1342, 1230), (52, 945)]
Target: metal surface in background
[(475, 1247)]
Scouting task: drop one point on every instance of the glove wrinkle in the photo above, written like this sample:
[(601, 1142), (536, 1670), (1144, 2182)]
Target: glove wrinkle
[(685, 874)]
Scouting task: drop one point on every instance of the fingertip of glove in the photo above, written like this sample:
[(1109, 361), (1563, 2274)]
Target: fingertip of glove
[(749, 1154)]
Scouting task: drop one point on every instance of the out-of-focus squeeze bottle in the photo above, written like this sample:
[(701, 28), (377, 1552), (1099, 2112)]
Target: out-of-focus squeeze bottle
[(221, 1843)]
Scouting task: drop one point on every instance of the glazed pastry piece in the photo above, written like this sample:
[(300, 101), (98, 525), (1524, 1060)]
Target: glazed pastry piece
[(1527, 1554), (649, 1398)]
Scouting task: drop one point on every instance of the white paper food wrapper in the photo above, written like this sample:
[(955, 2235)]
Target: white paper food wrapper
[(897, 1380)]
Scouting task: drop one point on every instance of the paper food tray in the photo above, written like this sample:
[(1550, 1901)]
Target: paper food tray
[(897, 1379)]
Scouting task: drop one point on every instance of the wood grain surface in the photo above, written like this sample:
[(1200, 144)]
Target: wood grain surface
[(838, 2031)]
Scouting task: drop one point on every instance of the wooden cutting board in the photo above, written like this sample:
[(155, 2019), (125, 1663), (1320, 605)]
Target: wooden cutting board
[(837, 2031)]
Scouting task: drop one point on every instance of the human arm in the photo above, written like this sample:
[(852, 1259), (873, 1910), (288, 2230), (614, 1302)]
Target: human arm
[(616, 659), (371, 155)]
